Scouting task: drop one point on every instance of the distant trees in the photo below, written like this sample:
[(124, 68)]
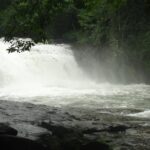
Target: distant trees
[(121, 27), (39, 19), (5, 3)]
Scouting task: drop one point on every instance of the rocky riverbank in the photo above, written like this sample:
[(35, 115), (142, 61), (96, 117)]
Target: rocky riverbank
[(29, 126)]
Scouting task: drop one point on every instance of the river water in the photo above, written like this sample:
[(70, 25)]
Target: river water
[(50, 75)]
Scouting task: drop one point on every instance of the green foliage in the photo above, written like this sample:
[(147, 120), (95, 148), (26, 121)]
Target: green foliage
[(118, 28), (38, 19), (18, 45)]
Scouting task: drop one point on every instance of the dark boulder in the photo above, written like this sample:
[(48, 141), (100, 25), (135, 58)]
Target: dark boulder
[(8, 142), (110, 129), (96, 146), (118, 128), (59, 131), (7, 130), (90, 131)]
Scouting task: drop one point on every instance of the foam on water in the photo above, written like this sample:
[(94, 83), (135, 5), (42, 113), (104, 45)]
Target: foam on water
[(144, 114), (49, 74)]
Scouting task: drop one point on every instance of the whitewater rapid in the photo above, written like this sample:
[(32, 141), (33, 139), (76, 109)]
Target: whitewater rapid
[(50, 74)]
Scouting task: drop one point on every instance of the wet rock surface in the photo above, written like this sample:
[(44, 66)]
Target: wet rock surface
[(72, 128)]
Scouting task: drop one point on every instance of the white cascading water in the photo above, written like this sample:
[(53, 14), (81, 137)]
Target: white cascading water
[(45, 70), (45, 65), (49, 74)]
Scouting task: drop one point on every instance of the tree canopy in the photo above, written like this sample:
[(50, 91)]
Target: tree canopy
[(118, 27)]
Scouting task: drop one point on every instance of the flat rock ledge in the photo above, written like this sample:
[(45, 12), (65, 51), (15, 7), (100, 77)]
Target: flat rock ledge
[(25, 126), (61, 138)]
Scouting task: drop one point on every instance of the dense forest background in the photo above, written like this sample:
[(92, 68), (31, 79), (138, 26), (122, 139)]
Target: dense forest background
[(117, 30)]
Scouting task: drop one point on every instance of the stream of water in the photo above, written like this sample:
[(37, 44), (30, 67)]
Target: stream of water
[(50, 75)]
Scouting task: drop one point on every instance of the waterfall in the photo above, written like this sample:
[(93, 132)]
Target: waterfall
[(48, 69), (45, 65), (50, 74)]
